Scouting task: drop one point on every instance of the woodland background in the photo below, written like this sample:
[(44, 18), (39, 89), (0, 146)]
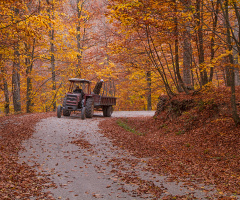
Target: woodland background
[(146, 48)]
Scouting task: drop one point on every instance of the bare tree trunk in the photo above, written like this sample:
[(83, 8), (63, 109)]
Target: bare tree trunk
[(180, 81), (6, 95), (187, 53), (179, 89), (79, 48), (203, 72), (235, 115), (215, 20), (235, 56), (5, 87), (29, 64), (53, 68), (16, 80), (51, 36), (149, 91), (16, 74)]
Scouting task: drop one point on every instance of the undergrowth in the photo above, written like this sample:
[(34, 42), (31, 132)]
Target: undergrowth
[(128, 128)]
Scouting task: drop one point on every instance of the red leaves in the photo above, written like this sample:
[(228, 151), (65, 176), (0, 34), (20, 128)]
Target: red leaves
[(200, 144)]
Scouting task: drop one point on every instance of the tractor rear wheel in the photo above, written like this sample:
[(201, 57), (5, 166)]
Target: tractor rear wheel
[(89, 108)]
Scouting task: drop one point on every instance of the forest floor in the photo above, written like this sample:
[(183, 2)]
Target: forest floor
[(192, 140)]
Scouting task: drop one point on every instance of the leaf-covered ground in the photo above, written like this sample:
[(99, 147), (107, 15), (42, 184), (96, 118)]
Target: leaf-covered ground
[(19, 181), (198, 142)]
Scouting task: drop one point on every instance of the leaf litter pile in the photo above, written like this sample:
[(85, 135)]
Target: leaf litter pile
[(19, 181), (191, 138)]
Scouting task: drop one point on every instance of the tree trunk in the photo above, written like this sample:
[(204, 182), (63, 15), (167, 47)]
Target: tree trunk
[(16, 80), (215, 20), (5, 87), (203, 72), (51, 36), (187, 53), (235, 115), (53, 68), (235, 56), (149, 91), (79, 49), (180, 81), (16, 74), (29, 64), (6, 95)]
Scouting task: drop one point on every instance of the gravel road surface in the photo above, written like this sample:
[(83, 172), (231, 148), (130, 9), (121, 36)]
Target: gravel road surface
[(90, 170)]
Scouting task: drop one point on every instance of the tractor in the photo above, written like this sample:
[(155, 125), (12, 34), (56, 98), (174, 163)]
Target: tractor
[(80, 98)]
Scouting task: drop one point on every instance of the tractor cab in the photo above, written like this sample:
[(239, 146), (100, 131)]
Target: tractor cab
[(82, 84)]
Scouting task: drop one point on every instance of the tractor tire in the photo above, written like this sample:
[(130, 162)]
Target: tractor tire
[(83, 113), (89, 108), (104, 111), (107, 111), (59, 111), (66, 112)]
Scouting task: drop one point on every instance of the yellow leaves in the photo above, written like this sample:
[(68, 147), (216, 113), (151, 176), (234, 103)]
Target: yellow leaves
[(221, 56)]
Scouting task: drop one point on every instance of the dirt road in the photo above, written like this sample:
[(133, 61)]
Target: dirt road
[(91, 167)]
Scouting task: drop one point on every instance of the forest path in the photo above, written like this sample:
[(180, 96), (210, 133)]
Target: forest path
[(92, 167)]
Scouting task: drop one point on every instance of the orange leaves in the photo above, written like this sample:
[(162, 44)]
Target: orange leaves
[(196, 146)]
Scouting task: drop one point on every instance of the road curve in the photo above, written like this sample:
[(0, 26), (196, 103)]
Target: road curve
[(90, 170)]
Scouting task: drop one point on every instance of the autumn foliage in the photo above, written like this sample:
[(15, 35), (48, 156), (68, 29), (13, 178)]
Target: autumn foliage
[(147, 48)]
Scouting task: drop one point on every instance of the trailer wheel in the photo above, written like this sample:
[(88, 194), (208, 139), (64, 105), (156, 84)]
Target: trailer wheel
[(59, 111), (107, 111), (83, 113), (66, 112), (104, 111), (89, 108)]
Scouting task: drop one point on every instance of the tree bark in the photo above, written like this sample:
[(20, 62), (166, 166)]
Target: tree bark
[(187, 53), (203, 72), (235, 115), (180, 81), (16, 80), (215, 20), (5, 88), (79, 48), (29, 64), (235, 56), (15, 73), (52, 51), (149, 91)]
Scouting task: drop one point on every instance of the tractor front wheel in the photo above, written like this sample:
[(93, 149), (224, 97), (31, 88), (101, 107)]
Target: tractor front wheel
[(66, 112), (59, 111), (89, 108), (83, 113)]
